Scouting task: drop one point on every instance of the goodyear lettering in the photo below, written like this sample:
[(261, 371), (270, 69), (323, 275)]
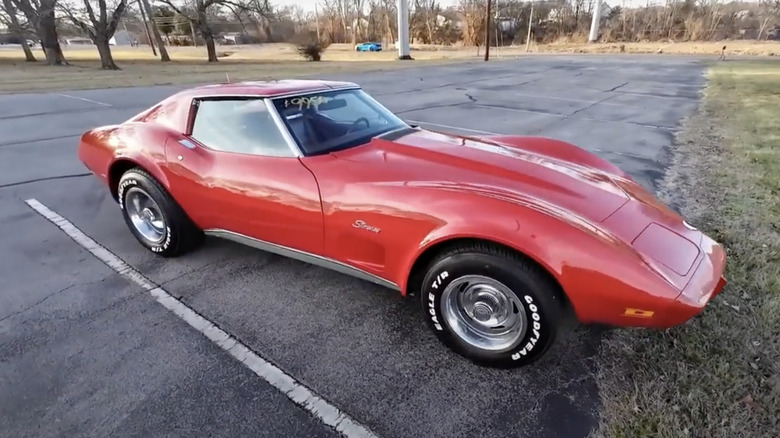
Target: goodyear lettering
[(121, 191), (536, 327)]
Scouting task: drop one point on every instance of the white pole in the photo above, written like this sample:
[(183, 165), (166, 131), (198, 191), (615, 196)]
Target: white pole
[(317, 17), (530, 23), (594, 25), (403, 29)]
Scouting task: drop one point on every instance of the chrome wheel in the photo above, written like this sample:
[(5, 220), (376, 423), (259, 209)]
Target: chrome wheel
[(145, 215), (484, 312)]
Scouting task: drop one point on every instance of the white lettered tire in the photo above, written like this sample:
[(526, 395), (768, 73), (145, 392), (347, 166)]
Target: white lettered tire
[(154, 218), (491, 306)]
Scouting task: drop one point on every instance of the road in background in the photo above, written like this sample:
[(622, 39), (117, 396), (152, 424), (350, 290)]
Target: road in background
[(84, 352)]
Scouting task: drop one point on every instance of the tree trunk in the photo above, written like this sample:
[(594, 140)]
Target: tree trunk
[(157, 38), (210, 47), (208, 36), (47, 31), (10, 10), (49, 41), (104, 50), (28, 54)]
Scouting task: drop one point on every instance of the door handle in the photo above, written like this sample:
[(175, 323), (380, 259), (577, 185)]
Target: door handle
[(186, 143)]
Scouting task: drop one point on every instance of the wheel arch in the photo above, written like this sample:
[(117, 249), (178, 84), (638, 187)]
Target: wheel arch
[(121, 165), (426, 256), (115, 172)]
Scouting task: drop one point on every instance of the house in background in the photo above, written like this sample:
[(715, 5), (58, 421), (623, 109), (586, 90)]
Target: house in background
[(81, 41), (123, 38)]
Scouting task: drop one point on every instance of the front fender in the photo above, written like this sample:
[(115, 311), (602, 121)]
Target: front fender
[(598, 272), (557, 149)]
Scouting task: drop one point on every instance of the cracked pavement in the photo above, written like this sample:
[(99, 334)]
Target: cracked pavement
[(84, 352)]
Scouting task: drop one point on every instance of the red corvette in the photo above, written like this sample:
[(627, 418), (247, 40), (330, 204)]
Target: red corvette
[(497, 235)]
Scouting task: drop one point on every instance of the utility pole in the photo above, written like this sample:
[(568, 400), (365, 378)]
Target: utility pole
[(192, 31), (530, 23), (146, 28), (487, 32), (146, 6), (594, 25), (317, 16), (403, 29)]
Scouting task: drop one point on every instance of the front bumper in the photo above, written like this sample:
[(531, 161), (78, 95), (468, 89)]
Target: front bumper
[(705, 284)]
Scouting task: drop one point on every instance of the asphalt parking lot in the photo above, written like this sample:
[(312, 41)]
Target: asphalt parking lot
[(84, 352)]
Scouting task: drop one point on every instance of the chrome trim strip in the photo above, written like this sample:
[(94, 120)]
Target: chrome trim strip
[(302, 256), (193, 97), (321, 90), (391, 135), (261, 95), (282, 127)]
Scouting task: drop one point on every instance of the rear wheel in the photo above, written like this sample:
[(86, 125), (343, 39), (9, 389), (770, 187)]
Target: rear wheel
[(491, 306), (154, 218)]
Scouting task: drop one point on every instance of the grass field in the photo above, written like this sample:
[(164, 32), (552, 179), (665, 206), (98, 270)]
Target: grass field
[(733, 48), (270, 61), (719, 375), (141, 67)]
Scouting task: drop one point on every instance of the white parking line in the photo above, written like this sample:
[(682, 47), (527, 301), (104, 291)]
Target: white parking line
[(84, 99), (299, 394)]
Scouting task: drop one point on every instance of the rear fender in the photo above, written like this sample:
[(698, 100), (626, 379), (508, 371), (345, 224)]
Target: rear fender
[(96, 150), (139, 145)]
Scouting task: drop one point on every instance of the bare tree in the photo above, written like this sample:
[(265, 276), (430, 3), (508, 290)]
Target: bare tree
[(473, 21), (146, 7), (258, 12), (40, 15), (16, 28), (199, 17), (100, 28), (357, 10), (768, 14)]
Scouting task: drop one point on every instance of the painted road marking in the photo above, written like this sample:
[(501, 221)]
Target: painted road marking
[(84, 99), (295, 391)]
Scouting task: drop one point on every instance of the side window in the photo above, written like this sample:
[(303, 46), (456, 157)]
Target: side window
[(238, 125)]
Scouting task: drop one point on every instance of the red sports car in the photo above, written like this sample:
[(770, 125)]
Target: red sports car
[(496, 235)]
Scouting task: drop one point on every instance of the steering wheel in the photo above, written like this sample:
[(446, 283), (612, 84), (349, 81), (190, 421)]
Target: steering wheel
[(355, 123)]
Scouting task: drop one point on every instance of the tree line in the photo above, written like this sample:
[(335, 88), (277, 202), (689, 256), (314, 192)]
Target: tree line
[(353, 21)]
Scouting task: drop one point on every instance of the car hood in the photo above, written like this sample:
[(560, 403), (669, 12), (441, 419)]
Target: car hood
[(483, 166)]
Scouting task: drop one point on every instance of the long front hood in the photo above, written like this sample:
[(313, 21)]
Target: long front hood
[(426, 156)]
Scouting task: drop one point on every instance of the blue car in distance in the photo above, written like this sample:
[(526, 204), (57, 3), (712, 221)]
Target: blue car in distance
[(368, 47)]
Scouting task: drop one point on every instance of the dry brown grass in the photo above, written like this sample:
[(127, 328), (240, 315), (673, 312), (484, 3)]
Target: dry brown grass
[(140, 67), (719, 375), (733, 48)]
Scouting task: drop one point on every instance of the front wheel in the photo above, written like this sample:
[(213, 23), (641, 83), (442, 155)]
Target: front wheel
[(491, 306)]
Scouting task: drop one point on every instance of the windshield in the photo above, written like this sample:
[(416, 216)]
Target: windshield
[(335, 120)]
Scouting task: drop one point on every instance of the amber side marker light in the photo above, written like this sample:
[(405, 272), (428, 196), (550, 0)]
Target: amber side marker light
[(638, 313)]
